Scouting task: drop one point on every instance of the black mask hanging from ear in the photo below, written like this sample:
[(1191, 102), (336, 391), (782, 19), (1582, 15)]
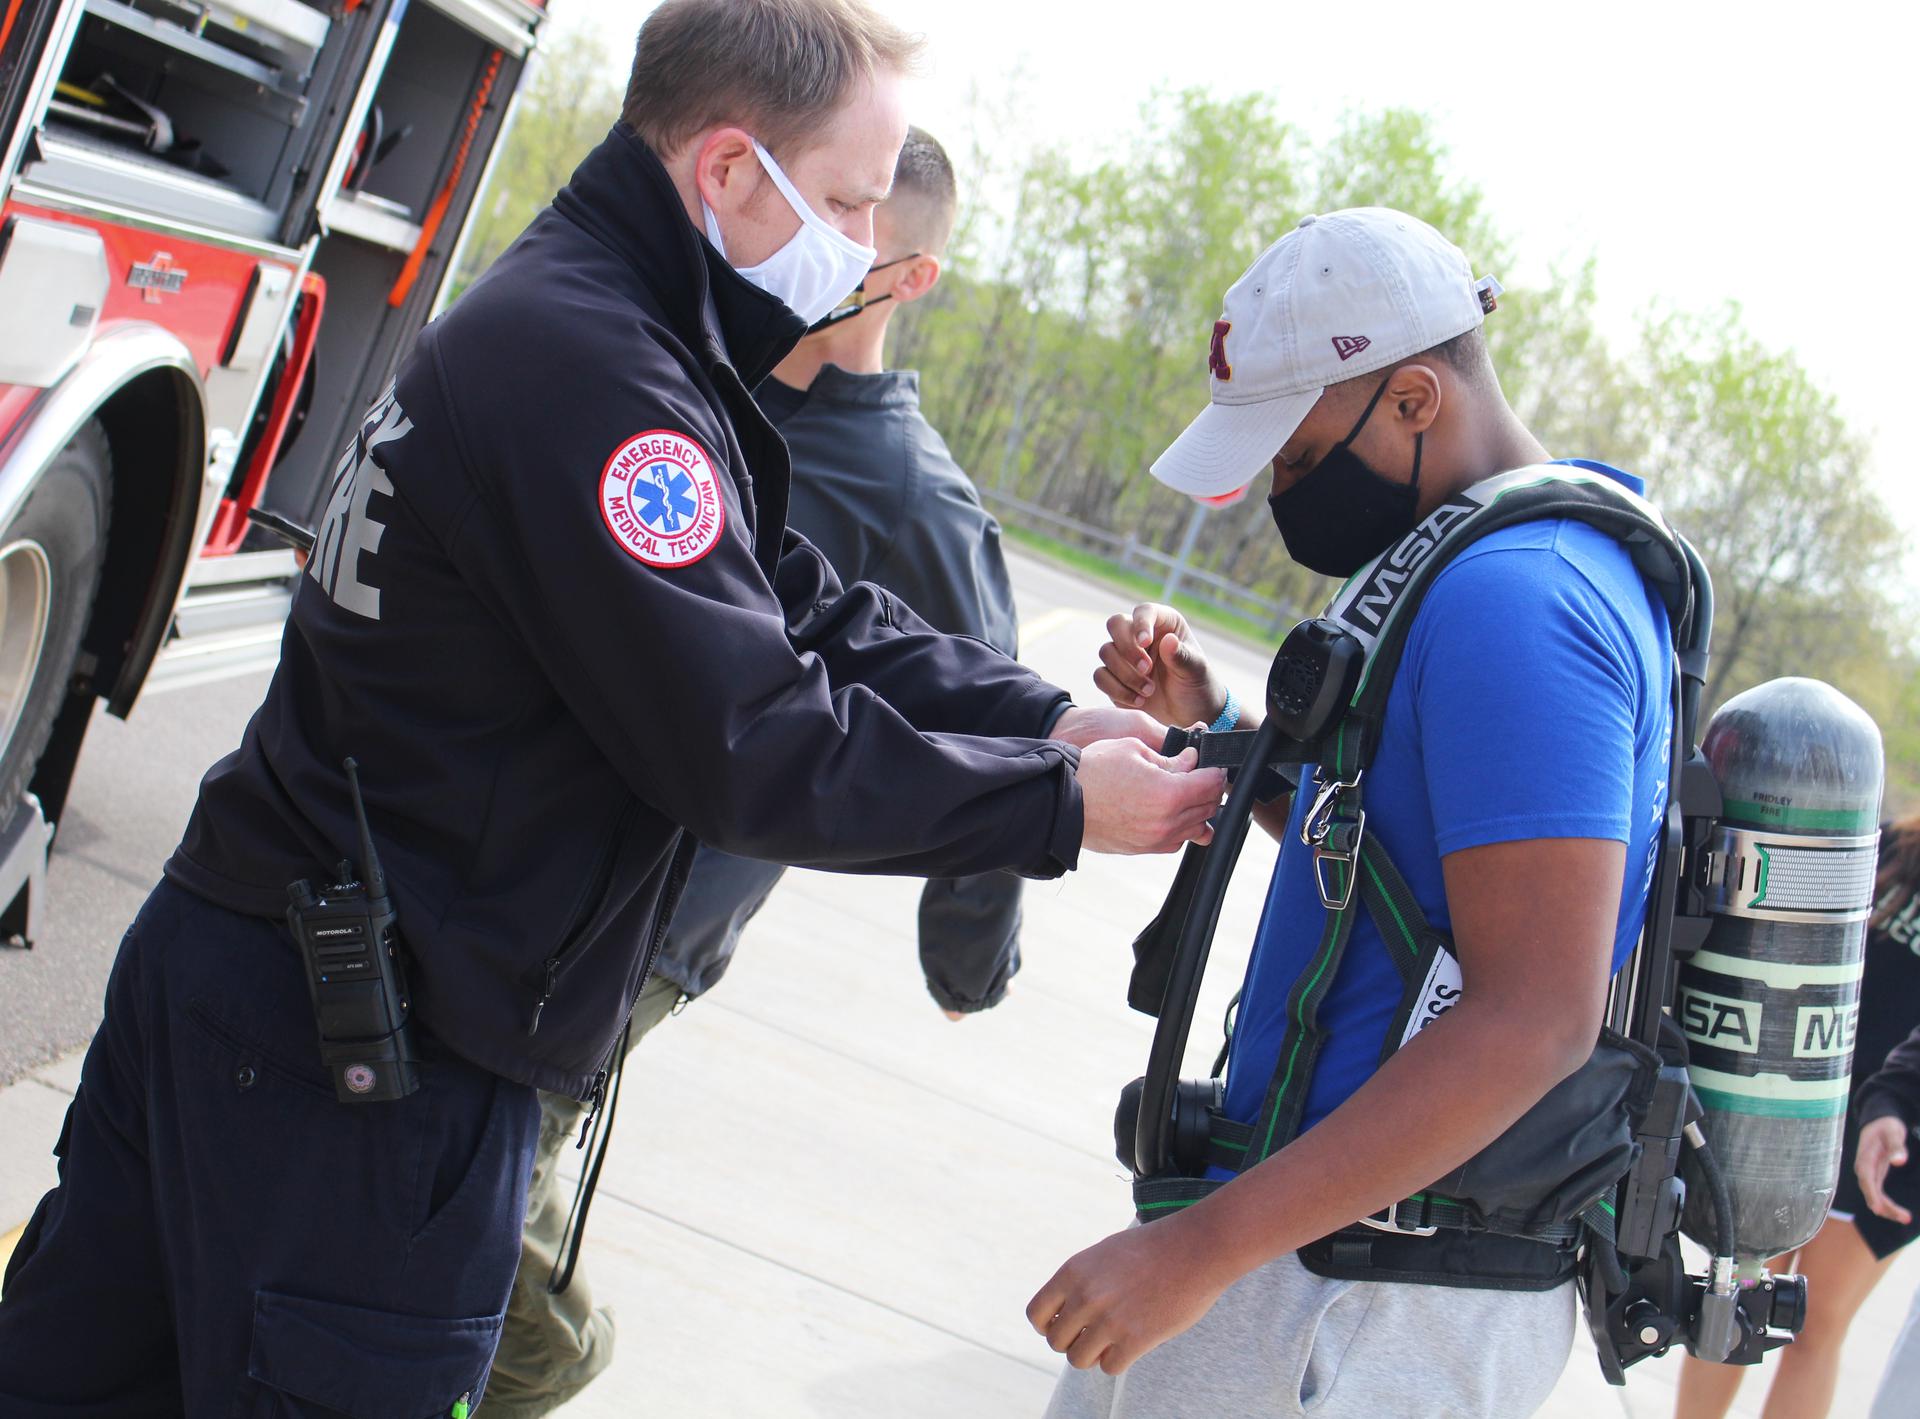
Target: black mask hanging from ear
[(1343, 514)]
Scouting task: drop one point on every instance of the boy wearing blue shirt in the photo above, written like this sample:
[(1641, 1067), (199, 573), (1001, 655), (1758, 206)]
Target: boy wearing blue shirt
[(1518, 785)]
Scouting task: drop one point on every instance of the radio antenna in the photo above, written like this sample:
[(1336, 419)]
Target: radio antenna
[(370, 860)]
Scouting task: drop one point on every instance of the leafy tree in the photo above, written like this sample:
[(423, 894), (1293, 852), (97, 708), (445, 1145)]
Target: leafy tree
[(565, 109), (1752, 460)]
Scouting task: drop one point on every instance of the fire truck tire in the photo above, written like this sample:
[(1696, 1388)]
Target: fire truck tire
[(51, 557)]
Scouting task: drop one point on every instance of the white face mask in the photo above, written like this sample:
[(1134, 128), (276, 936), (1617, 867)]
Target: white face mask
[(817, 269)]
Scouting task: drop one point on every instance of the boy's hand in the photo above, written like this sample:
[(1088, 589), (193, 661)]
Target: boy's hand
[(1119, 1298), (1152, 662), (1883, 1145)]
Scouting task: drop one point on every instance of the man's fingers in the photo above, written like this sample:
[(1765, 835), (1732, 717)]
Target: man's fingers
[(1873, 1190), (1085, 1350), (1145, 616), (1207, 786), (1065, 1328), (1125, 637), (1179, 654), (1125, 668), (1122, 662), (1109, 685), (1046, 1304), (1868, 1174), (1872, 1174)]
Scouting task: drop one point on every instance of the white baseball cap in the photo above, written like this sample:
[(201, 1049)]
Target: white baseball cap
[(1340, 295)]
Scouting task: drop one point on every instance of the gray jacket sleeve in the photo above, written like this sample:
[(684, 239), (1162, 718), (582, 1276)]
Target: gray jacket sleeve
[(944, 558)]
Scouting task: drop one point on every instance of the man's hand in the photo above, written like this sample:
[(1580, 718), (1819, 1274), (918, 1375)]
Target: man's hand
[(1119, 1298), (1151, 662), (1135, 801), (1082, 726), (1883, 1145)]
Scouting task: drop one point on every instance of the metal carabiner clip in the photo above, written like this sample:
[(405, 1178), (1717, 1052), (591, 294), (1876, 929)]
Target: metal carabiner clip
[(1326, 802), (1332, 839)]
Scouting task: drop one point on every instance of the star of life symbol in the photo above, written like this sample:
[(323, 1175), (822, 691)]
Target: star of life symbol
[(661, 500)]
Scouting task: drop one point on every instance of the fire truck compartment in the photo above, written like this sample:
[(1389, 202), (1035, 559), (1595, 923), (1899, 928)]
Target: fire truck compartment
[(207, 111)]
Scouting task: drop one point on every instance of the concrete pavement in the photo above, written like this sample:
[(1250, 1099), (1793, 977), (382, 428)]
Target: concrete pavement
[(825, 1199)]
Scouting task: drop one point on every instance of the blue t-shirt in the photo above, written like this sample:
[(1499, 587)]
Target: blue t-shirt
[(1532, 702)]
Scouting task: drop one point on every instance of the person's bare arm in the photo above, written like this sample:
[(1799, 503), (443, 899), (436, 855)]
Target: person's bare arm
[(1534, 925)]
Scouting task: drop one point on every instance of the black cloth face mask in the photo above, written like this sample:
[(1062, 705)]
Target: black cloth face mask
[(1343, 514), (857, 301)]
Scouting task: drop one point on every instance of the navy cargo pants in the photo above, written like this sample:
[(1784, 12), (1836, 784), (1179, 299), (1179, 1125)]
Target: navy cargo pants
[(229, 1240)]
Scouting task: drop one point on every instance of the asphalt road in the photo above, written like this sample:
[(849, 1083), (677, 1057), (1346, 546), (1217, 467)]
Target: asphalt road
[(130, 800)]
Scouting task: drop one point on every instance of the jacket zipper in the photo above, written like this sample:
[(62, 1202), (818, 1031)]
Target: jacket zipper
[(591, 901), (669, 900)]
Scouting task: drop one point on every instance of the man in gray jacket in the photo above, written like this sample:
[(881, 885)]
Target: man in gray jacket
[(876, 490)]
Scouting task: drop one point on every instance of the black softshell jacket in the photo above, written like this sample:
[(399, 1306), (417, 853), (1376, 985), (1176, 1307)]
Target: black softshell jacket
[(541, 716)]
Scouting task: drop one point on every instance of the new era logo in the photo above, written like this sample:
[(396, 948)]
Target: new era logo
[(1347, 346)]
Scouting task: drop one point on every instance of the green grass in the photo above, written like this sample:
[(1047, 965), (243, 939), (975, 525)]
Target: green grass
[(1257, 635)]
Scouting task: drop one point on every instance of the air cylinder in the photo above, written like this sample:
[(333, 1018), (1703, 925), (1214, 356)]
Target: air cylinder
[(1770, 1002)]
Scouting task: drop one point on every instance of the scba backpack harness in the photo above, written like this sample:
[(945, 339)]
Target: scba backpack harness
[(1545, 1199)]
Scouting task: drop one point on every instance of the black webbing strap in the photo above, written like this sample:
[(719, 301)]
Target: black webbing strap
[(1229, 749), (1300, 1045), (1429, 1209), (1228, 1143), (1155, 1197), (1413, 1216), (1413, 944)]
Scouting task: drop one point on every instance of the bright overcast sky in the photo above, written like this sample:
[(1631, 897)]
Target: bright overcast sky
[(1702, 152)]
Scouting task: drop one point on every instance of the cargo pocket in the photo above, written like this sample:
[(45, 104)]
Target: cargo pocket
[(322, 1360)]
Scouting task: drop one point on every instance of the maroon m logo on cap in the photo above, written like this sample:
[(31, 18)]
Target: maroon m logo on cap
[(1217, 356), (1347, 346)]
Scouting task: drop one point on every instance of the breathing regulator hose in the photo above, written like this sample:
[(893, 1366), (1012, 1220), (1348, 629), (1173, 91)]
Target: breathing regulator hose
[(1718, 1329), (1153, 1134)]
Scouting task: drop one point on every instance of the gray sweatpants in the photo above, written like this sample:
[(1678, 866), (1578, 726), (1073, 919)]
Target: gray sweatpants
[(1283, 1341), (1894, 1398)]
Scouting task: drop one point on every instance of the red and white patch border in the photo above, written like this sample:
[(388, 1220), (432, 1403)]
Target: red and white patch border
[(637, 537)]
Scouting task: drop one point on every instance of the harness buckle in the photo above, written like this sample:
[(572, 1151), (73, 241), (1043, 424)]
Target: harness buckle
[(1392, 1223), (1333, 839), (1326, 802)]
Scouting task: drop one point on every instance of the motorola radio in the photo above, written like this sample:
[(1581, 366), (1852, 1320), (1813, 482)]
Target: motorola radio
[(349, 937)]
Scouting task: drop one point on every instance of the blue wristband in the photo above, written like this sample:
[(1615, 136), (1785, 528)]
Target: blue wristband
[(1229, 716)]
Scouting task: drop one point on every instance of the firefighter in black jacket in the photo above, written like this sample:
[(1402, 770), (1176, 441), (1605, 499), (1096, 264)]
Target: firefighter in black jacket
[(555, 614)]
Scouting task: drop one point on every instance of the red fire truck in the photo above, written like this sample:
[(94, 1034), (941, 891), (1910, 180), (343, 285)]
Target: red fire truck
[(221, 224)]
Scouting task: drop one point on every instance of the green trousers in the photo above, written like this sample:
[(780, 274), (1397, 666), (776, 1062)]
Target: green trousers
[(552, 1346)]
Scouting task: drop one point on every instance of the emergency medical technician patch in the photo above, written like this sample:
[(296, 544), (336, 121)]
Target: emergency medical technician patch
[(661, 500)]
